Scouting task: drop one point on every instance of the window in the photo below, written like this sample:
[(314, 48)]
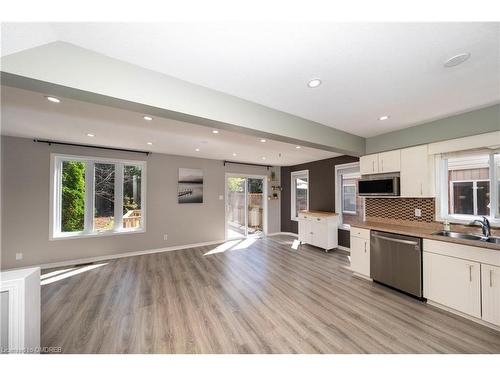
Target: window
[(93, 196), (347, 202), (300, 193), (466, 186)]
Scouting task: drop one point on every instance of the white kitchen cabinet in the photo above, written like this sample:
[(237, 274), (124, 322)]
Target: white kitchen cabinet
[(490, 281), (368, 164), (453, 282), (416, 172), (360, 251), (319, 229), (389, 161)]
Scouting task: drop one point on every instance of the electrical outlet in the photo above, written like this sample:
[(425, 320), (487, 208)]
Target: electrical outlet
[(19, 256), (165, 237), (418, 212)]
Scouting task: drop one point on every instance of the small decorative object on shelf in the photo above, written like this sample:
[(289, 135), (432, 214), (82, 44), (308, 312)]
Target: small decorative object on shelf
[(276, 188)]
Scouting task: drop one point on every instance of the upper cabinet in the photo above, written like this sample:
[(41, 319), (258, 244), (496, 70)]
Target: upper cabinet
[(368, 164), (414, 164), (385, 162), (389, 161), (416, 172)]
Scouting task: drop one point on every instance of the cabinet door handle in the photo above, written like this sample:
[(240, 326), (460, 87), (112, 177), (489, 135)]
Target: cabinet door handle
[(382, 165), (491, 278), (365, 246), (421, 189), (470, 273), (373, 165)]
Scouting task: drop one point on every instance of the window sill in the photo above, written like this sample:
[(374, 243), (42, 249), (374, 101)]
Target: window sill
[(77, 235), (467, 219)]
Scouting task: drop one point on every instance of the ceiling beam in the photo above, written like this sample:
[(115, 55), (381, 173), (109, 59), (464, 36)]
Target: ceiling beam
[(65, 70)]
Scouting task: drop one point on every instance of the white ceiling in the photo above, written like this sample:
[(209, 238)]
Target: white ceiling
[(28, 114), (368, 70)]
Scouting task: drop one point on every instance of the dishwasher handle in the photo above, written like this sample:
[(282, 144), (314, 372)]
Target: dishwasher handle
[(406, 242)]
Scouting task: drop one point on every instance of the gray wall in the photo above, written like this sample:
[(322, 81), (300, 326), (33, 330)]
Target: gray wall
[(25, 200), (321, 188), (483, 120)]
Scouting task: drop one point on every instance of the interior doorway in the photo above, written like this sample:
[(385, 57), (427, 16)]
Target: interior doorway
[(246, 206)]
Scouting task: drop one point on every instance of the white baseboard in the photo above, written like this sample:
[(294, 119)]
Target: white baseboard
[(344, 248), (282, 234), (124, 255), (463, 315)]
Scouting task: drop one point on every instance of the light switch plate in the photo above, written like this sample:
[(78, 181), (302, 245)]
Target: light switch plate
[(221, 197), (19, 256)]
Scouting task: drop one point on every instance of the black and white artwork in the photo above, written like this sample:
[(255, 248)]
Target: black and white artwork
[(190, 186)]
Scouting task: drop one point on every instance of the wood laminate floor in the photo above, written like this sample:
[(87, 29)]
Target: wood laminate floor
[(257, 297)]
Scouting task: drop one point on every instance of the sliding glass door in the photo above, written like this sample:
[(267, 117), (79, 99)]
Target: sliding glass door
[(245, 206)]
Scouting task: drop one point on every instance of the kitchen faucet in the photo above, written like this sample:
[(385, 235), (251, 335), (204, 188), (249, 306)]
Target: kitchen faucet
[(485, 226)]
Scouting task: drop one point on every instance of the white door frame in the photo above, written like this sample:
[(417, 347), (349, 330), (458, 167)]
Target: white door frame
[(264, 205)]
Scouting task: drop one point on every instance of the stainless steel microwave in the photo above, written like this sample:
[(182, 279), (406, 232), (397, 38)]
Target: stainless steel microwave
[(379, 186)]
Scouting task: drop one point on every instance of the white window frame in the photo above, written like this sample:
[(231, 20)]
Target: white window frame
[(474, 194), (342, 197), (293, 176), (442, 188), (56, 161), (338, 189)]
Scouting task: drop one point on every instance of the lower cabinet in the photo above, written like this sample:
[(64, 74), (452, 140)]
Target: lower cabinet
[(490, 281), (463, 278), (360, 251), (453, 282), (319, 230)]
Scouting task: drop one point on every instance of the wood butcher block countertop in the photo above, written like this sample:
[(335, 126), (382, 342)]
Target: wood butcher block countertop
[(426, 230), (319, 213)]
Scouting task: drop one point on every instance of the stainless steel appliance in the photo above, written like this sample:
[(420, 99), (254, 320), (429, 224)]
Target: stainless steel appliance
[(396, 261), (372, 186)]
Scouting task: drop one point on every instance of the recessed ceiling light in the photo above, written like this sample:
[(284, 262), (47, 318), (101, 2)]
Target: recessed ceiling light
[(263, 140), (150, 143), (456, 60), (314, 83), (297, 147), (263, 158), (90, 135), (234, 153), (215, 131), (147, 118), (197, 149), (53, 99), (382, 118)]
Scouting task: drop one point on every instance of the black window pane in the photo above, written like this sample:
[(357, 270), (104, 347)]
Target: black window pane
[(463, 198), (483, 198)]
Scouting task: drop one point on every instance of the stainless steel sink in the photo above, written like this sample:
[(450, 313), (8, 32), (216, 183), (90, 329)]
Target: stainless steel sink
[(467, 236)]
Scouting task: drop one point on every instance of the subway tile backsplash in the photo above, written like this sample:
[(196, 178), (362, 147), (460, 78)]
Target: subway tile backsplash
[(400, 209)]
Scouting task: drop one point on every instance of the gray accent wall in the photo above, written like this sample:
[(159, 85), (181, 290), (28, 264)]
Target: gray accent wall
[(25, 205), (480, 121), (321, 188)]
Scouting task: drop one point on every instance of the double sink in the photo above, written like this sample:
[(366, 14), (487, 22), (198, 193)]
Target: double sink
[(467, 236)]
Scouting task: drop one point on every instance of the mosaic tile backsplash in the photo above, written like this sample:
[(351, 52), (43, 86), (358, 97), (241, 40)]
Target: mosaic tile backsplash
[(400, 209)]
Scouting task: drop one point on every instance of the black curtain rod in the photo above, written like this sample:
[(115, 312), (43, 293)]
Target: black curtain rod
[(90, 146), (253, 165)]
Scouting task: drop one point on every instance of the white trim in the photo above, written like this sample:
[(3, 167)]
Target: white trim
[(56, 161), (338, 187), (463, 315), (119, 255), (283, 234), (293, 192), (344, 248), (264, 204)]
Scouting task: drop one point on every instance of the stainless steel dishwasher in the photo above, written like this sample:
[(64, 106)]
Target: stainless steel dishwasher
[(396, 261)]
